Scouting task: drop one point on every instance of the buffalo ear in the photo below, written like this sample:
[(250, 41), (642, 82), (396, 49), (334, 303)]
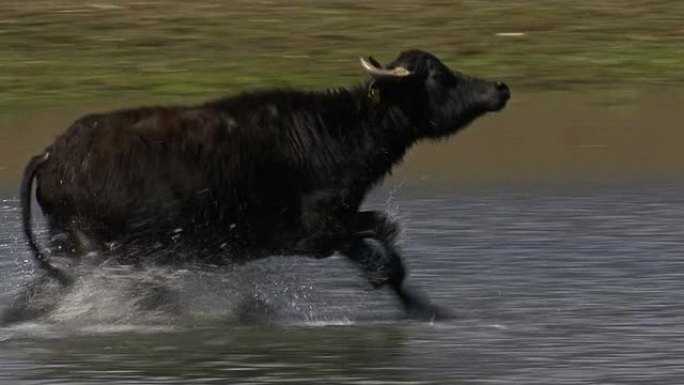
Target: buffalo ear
[(373, 68)]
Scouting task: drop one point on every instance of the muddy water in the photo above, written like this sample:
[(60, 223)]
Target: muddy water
[(550, 287), (554, 230)]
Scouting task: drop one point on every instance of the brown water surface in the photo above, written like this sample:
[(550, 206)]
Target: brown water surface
[(541, 137)]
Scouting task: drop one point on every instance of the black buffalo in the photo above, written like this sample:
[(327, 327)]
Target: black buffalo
[(276, 172)]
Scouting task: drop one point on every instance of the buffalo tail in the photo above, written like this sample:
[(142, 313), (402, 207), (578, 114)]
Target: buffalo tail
[(40, 256)]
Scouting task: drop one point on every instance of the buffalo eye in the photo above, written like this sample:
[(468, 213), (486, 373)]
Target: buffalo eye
[(443, 78)]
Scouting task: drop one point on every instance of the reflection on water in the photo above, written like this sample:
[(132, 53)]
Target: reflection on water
[(551, 287)]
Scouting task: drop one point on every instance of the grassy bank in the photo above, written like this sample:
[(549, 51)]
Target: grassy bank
[(65, 52)]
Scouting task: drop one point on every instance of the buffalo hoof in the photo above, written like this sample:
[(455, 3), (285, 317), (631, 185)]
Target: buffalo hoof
[(418, 306), (428, 312), (254, 309)]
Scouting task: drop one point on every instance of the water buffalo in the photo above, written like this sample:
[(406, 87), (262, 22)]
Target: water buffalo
[(274, 172)]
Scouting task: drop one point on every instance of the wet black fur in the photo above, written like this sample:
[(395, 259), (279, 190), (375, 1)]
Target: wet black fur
[(269, 172)]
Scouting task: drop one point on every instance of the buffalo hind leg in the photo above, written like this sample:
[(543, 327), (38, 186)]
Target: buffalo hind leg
[(32, 300), (374, 250)]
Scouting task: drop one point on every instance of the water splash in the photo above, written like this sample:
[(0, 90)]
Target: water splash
[(124, 296)]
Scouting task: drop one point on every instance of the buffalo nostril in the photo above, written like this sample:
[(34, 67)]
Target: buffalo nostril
[(503, 89)]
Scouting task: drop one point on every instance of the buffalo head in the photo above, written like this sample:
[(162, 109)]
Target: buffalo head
[(437, 99)]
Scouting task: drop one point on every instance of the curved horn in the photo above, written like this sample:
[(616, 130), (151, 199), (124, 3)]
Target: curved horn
[(396, 72), (374, 62)]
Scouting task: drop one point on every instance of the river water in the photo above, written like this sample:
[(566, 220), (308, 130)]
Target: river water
[(550, 286)]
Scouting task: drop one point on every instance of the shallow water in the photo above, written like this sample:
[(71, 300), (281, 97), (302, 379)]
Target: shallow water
[(580, 286)]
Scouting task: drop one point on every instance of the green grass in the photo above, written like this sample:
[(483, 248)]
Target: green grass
[(65, 52)]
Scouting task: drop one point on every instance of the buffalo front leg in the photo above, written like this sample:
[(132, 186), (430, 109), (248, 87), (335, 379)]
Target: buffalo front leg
[(374, 250), (323, 224)]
